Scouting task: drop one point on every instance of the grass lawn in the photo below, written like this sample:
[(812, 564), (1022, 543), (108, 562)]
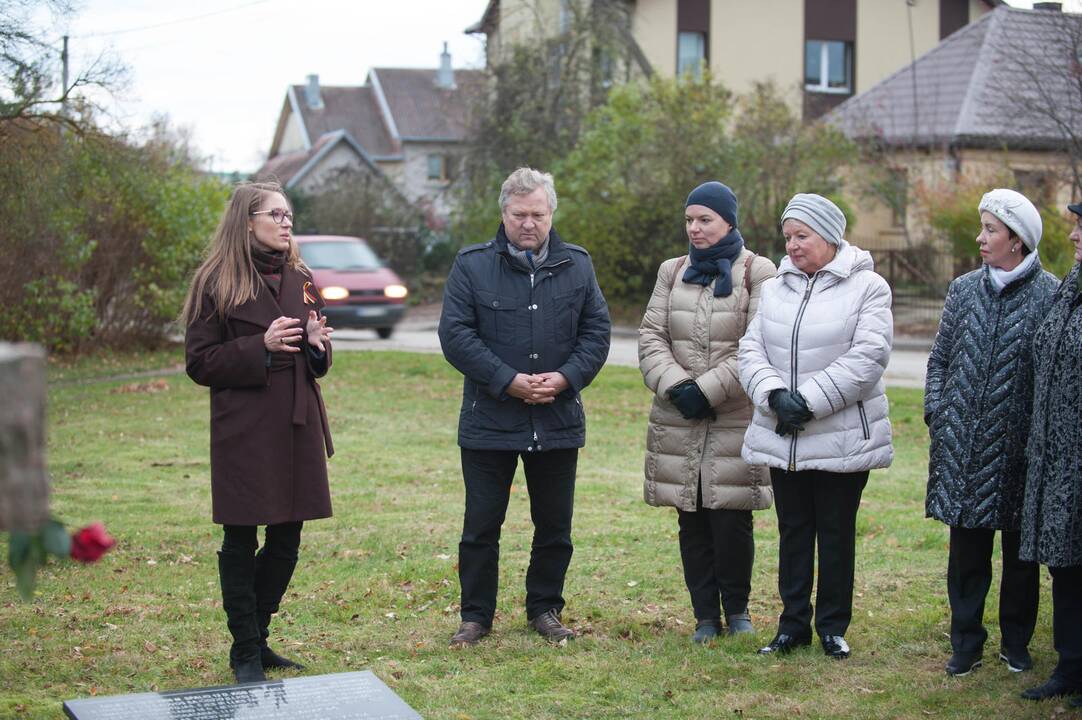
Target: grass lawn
[(377, 585)]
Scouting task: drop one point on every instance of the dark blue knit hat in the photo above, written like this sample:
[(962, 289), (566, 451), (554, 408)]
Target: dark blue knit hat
[(716, 196)]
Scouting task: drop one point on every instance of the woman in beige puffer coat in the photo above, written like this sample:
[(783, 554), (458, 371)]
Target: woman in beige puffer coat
[(688, 341)]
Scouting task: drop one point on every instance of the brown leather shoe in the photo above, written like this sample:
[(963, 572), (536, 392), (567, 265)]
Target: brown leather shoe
[(548, 626), (469, 633)]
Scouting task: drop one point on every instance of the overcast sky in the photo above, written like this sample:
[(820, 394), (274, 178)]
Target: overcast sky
[(221, 67)]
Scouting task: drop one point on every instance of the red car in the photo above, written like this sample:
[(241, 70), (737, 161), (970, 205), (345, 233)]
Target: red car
[(360, 291)]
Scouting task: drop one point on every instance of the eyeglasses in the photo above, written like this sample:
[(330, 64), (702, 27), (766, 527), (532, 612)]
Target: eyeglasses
[(276, 215)]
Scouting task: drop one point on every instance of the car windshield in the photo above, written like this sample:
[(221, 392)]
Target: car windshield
[(339, 256)]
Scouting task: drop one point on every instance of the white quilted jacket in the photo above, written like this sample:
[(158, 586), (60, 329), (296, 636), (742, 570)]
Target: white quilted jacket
[(829, 336)]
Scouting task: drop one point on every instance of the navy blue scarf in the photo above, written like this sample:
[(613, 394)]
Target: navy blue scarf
[(715, 261)]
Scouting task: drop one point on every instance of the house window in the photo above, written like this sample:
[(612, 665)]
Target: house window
[(438, 168), (828, 66), (1037, 185), (690, 54)]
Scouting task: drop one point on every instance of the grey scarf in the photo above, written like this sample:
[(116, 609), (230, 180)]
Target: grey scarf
[(524, 257)]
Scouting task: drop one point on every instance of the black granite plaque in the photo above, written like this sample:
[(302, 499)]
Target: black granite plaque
[(342, 696)]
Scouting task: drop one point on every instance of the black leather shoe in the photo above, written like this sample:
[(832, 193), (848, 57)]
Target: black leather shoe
[(469, 633), (835, 646), (706, 631), (961, 664), (1053, 688), (1017, 660), (782, 644), (548, 626)]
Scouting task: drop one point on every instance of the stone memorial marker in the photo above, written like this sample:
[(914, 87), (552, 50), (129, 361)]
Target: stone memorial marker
[(341, 696)]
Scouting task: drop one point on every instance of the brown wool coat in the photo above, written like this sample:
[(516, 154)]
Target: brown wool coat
[(687, 333), (269, 437)]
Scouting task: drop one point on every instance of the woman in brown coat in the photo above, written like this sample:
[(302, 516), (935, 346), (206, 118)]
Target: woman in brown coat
[(256, 337), (688, 339)]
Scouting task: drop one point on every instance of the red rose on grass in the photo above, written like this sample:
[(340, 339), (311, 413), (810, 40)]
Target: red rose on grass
[(90, 543)]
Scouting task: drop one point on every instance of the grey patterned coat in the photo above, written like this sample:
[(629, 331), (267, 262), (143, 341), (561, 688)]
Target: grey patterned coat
[(1052, 515), (978, 398)]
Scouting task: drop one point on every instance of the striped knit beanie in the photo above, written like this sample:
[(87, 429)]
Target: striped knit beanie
[(818, 213)]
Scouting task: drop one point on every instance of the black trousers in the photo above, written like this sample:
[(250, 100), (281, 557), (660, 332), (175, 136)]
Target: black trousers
[(1067, 622), (816, 507), (969, 575), (717, 550), (550, 481)]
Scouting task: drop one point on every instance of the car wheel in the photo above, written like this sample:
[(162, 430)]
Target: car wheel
[(384, 333)]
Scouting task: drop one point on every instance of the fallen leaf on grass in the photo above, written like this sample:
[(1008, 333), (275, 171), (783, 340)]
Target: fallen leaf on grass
[(151, 387), (632, 583), (150, 647)]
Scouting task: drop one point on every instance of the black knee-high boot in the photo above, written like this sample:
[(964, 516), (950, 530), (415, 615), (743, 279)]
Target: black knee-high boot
[(272, 576), (236, 570), (274, 565)]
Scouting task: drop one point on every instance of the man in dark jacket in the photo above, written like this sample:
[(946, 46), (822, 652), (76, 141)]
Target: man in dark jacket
[(525, 321)]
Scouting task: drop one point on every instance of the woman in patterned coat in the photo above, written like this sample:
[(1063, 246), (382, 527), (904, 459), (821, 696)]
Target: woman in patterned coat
[(700, 307), (977, 400), (1052, 513)]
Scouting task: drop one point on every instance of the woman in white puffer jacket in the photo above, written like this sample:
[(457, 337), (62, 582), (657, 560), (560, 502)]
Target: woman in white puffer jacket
[(812, 363)]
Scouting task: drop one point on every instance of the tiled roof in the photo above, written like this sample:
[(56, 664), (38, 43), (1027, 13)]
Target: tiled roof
[(350, 108), (421, 109), (983, 85), (283, 167)]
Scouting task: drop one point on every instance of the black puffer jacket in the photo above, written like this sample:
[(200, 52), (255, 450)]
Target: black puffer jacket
[(498, 322), (1052, 515), (978, 398)]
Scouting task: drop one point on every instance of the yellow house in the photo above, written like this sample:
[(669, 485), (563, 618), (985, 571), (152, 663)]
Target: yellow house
[(829, 50)]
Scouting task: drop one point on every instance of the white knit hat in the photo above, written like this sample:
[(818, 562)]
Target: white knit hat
[(1016, 212)]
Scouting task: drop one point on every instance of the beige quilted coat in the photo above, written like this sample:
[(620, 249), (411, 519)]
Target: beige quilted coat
[(687, 333)]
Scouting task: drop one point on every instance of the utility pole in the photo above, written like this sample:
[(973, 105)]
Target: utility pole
[(64, 73)]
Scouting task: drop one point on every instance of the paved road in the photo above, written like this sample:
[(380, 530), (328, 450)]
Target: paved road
[(906, 368)]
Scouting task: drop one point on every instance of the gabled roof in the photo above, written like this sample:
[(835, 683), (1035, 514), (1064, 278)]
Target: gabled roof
[(994, 82), (350, 108), (419, 109), (290, 168)]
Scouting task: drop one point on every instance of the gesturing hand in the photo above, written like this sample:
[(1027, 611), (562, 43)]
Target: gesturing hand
[(281, 332), (318, 332)]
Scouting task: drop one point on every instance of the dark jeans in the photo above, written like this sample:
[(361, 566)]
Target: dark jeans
[(1067, 622), (969, 575), (550, 481), (816, 507), (717, 549)]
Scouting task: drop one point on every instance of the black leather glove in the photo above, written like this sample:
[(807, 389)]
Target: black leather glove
[(690, 401), (791, 409)]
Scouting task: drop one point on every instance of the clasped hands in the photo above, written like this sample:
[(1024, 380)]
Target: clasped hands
[(791, 409), (689, 399), (286, 330), (537, 389)]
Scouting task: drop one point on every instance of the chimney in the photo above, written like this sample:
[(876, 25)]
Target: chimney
[(1053, 6), (445, 76), (311, 93)]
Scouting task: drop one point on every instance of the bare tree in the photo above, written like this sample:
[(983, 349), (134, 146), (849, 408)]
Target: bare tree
[(1042, 72), (34, 90)]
